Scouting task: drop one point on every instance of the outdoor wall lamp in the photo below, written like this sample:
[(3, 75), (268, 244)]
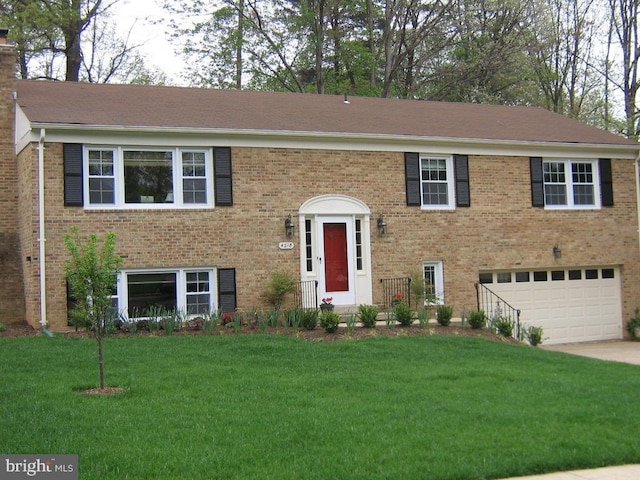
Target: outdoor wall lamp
[(288, 226), (382, 226), (557, 253)]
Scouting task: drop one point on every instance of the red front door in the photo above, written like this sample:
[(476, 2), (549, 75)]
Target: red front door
[(336, 270)]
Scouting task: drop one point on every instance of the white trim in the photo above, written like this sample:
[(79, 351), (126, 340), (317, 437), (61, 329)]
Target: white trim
[(181, 285), (451, 183), (568, 183), (118, 167), (163, 136), (439, 277)]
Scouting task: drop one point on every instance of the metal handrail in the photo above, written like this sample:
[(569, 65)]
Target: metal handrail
[(495, 306), (306, 294), (396, 286)]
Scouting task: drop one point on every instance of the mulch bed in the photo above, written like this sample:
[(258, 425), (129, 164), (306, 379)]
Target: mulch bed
[(318, 334)]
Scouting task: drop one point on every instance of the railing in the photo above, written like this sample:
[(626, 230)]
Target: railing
[(393, 288), (306, 294), (497, 308)]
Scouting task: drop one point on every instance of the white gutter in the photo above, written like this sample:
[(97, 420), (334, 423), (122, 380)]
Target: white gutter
[(42, 239)]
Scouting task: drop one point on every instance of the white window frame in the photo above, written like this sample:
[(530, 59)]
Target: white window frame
[(122, 294), (451, 191), (438, 270), (569, 184), (177, 178)]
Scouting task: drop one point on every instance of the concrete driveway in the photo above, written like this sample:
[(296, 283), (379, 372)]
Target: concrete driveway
[(614, 350)]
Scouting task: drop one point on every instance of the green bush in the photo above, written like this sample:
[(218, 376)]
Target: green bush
[(403, 314), (533, 335), (503, 326), (633, 325), (423, 317), (477, 319), (329, 321), (368, 315), (309, 318), (293, 317), (2, 327), (444, 314), (280, 284)]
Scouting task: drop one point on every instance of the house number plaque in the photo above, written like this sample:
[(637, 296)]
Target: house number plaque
[(286, 245)]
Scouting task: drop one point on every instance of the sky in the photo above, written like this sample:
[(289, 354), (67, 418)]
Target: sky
[(157, 50)]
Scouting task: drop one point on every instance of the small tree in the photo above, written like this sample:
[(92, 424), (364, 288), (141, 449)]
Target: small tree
[(91, 273), (280, 284)]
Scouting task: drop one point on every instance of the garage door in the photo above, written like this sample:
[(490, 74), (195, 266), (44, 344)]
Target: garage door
[(572, 305)]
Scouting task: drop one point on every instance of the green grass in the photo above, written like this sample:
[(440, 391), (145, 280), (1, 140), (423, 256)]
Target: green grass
[(276, 407)]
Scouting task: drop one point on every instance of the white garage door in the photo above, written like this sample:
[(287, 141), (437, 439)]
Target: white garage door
[(571, 305)]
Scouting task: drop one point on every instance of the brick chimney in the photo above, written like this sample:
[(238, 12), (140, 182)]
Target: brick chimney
[(11, 281)]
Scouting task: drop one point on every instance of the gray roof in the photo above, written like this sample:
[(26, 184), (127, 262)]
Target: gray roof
[(114, 105)]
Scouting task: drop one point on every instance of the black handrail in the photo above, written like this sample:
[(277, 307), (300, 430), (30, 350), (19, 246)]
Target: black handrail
[(306, 294), (496, 307), (392, 288)]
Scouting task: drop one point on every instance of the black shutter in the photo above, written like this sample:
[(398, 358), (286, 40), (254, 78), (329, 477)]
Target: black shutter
[(461, 167), (72, 159), (222, 174), (537, 182), (412, 178), (606, 182), (227, 289)]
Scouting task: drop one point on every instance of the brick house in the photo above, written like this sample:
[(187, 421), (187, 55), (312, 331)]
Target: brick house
[(198, 185)]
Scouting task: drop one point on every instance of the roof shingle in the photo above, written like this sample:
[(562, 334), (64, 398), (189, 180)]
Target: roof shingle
[(116, 105)]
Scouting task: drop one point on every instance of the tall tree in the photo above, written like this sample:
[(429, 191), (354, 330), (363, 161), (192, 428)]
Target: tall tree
[(624, 19), (65, 39)]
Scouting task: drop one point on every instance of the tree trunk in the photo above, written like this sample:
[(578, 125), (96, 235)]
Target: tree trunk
[(100, 356)]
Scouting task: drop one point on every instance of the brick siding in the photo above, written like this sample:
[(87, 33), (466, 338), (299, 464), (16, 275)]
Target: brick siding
[(499, 231)]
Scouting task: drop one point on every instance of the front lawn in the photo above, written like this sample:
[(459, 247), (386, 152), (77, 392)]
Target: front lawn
[(277, 407)]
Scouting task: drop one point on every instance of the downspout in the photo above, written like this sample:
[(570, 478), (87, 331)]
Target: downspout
[(42, 239), (637, 164)]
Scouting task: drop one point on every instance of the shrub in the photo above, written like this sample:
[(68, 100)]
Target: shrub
[(211, 320), (350, 320), (503, 326), (403, 314), (633, 325), (444, 314), (423, 317), (276, 290), (309, 318), (329, 321), (477, 319), (293, 317), (2, 327), (368, 315), (533, 335)]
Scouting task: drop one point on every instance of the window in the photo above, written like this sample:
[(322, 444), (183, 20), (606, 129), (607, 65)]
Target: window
[(358, 244), (437, 182), (522, 277), (571, 184), (540, 276), (148, 178), (308, 247), (504, 277), (575, 274), (485, 277), (198, 293), (433, 283), (557, 275), (189, 291)]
